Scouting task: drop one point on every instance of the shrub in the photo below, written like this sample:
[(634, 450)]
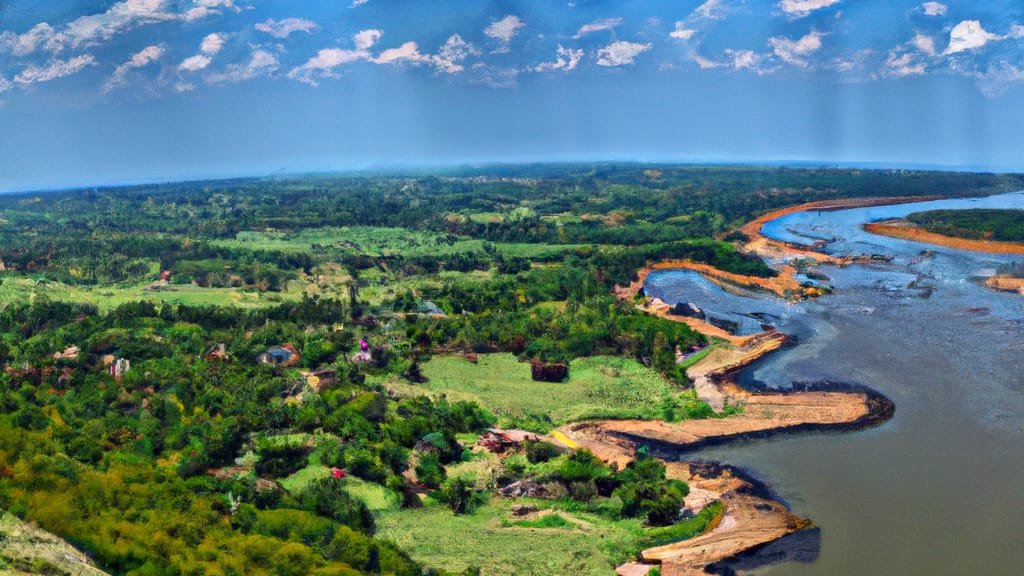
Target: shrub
[(429, 470), (537, 452)]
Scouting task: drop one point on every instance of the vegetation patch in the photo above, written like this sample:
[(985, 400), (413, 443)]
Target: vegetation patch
[(976, 224), (547, 521), (489, 540), (597, 387)]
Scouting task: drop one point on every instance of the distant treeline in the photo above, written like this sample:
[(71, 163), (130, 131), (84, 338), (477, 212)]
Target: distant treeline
[(122, 234)]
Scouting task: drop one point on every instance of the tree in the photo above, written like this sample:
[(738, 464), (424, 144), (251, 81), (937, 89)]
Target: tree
[(429, 471), (460, 494)]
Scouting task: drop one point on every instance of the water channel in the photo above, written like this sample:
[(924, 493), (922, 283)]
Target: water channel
[(940, 488)]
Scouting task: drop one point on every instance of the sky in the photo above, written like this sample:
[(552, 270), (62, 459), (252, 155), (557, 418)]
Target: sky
[(109, 92)]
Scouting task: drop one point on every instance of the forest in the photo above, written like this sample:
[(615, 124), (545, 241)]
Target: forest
[(144, 419)]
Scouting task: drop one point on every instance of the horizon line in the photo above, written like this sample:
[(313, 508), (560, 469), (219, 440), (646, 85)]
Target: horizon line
[(395, 169)]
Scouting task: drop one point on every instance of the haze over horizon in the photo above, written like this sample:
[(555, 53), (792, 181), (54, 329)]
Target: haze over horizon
[(101, 92)]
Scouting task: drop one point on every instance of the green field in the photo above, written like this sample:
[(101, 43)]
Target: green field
[(602, 386), (15, 287), (382, 241), (488, 538), (554, 540)]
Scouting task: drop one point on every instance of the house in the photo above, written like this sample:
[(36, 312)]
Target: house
[(283, 355), (320, 380), (69, 353), (119, 367), (216, 352), (548, 371)]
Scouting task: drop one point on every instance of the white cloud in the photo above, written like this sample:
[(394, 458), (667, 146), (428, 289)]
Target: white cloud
[(197, 13), (283, 28), (93, 29), (451, 55), (261, 63), (710, 10), (218, 4), (364, 39), (924, 44), (1016, 31), (750, 60), (504, 30), (597, 26), (567, 59), (119, 18), (620, 53), (795, 51), (142, 58), (356, 3), (23, 44), (408, 52), (682, 32), (901, 64), (968, 35), (326, 60), (194, 63), (212, 44), (5, 84), (704, 63), (801, 8), (55, 69), (934, 9)]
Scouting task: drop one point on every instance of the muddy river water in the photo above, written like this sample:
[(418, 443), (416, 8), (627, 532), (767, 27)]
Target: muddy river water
[(940, 488)]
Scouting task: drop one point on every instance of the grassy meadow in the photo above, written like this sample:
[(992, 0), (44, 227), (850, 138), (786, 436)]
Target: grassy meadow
[(597, 387)]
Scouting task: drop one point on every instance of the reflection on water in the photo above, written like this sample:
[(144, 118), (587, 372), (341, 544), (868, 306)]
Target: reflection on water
[(938, 489)]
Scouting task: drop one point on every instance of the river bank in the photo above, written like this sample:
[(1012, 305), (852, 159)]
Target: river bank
[(749, 521), (746, 524)]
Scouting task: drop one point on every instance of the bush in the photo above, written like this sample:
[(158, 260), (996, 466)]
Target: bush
[(327, 497), (537, 452), (429, 471), (460, 494)]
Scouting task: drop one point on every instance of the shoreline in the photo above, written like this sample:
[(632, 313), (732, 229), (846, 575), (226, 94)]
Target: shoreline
[(752, 518)]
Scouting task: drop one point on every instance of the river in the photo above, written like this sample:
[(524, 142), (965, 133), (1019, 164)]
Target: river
[(940, 488)]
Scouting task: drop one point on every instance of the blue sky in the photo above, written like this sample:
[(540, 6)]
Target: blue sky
[(100, 92)]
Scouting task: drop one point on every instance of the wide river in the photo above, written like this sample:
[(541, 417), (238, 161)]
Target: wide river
[(940, 488)]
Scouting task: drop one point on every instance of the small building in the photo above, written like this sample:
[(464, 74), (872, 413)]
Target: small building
[(548, 371), (69, 353), (283, 355), (216, 352), (320, 380), (119, 367)]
